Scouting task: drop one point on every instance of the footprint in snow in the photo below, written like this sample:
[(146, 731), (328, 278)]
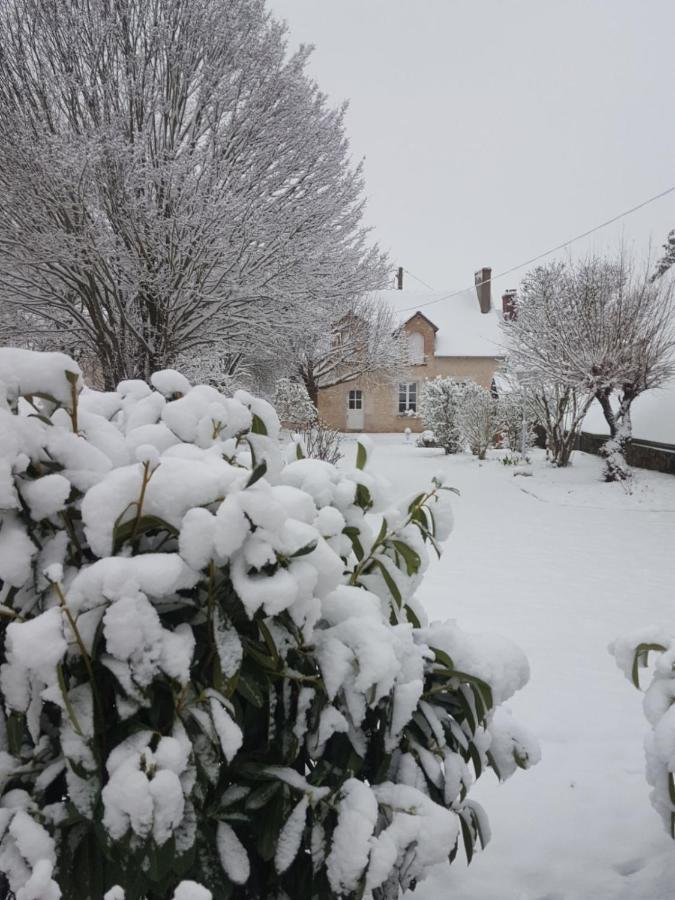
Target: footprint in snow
[(629, 867)]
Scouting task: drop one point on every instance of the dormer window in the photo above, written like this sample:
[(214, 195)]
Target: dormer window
[(416, 348)]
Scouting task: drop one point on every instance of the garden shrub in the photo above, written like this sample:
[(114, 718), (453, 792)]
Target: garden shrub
[(632, 652), (216, 678)]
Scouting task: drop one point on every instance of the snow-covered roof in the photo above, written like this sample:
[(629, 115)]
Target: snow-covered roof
[(463, 330)]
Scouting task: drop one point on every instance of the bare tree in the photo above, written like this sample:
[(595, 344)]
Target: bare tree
[(170, 180), (355, 339), (600, 328)]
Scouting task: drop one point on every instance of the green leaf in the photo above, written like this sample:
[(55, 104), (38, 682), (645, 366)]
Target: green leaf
[(15, 731), (123, 532), (443, 658), (262, 795), (411, 557), (304, 551), (257, 473), (467, 837), (298, 451), (641, 657), (257, 425), (389, 581), (354, 535), (363, 498), (250, 691), (361, 456), (410, 615)]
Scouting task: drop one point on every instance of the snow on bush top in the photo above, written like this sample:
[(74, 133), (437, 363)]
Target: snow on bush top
[(216, 658)]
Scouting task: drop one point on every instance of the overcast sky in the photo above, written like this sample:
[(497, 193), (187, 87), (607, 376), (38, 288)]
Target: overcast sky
[(495, 129)]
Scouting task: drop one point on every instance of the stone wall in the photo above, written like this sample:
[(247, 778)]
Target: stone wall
[(641, 453)]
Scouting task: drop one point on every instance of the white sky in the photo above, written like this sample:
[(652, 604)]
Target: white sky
[(495, 129)]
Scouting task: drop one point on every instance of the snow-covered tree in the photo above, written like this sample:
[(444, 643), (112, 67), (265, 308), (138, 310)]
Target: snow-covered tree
[(357, 338), (560, 410), (668, 258), (514, 420), (216, 678), (477, 418), (171, 180), (632, 652), (440, 402), (293, 405), (601, 328)]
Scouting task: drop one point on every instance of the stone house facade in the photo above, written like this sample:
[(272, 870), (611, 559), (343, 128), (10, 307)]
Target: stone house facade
[(457, 336)]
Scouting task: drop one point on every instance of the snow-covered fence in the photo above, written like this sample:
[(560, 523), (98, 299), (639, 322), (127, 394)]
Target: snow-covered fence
[(214, 665)]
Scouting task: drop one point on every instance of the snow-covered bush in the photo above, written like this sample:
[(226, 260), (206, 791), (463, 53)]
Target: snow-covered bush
[(440, 401), (426, 439), (513, 422), (292, 403), (632, 653), (477, 418), (319, 440), (216, 678)]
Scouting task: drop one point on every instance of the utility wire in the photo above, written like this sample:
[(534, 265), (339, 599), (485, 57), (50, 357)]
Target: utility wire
[(417, 278), (528, 262)]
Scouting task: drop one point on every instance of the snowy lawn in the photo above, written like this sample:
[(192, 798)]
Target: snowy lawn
[(562, 564)]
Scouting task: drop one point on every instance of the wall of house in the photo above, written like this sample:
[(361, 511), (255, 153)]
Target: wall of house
[(381, 400)]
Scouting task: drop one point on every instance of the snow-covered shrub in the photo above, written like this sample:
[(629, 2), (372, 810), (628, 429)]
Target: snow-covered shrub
[(632, 653), (426, 439), (477, 418), (440, 401), (319, 440), (513, 422), (293, 406), (216, 678)]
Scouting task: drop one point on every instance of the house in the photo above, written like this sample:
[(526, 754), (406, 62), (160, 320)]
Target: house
[(456, 335)]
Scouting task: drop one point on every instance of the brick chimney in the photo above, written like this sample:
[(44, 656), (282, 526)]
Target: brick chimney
[(509, 305), (484, 289)]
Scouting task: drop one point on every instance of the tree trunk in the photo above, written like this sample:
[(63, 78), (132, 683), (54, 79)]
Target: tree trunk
[(620, 433)]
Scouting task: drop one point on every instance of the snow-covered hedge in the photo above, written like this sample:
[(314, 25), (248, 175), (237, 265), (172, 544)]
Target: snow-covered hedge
[(216, 678), (632, 652)]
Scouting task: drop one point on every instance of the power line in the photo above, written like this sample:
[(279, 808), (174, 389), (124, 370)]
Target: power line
[(417, 278), (533, 259)]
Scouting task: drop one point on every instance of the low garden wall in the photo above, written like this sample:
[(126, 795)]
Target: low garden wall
[(641, 453)]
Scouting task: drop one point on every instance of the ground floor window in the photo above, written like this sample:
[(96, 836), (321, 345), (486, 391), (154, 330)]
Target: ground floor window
[(407, 397), (355, 400)]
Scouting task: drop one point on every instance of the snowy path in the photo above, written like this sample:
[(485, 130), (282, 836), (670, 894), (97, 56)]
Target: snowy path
[(562, 564)]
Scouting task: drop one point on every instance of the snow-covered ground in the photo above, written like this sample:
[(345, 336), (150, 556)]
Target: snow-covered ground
[(561, 563)]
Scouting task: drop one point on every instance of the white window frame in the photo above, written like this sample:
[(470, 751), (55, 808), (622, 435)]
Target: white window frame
[(407, 398), (355, 399)]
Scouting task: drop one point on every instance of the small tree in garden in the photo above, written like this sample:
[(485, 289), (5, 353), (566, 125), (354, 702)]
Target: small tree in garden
[(293, 405), (600, 328), (478, 420), (216, 679), (559, 410), (514, 418), (632, 652), (440, 402)]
